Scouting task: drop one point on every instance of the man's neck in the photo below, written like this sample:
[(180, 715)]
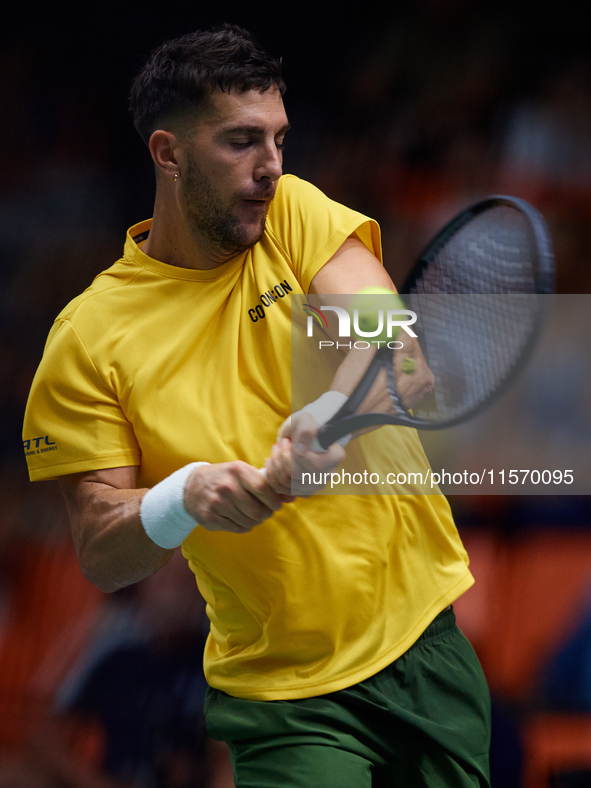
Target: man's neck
[(172, 241)]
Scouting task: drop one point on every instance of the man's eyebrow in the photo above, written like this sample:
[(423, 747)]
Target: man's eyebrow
[(253, 129)]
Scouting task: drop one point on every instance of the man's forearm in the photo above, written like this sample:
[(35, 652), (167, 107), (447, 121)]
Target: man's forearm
[(118, 542), (112, 546)]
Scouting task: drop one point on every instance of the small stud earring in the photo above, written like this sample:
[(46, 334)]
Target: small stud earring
[(176, 177)]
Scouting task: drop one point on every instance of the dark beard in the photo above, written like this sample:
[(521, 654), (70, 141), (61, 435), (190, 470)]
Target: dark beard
[(210, 218)]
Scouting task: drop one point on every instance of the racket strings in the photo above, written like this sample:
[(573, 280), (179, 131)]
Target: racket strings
[(472, 341), (392, 389), (471, 344), (491, 253)]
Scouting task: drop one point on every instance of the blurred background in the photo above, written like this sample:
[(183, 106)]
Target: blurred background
[(406, 112)]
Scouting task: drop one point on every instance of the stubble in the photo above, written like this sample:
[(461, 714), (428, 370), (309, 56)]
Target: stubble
[(211, 218)]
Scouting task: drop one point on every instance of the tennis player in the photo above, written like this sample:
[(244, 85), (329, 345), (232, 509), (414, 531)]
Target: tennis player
[(334, 658)]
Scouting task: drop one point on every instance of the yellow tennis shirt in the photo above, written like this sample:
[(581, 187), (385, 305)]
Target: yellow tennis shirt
[(158, 366)]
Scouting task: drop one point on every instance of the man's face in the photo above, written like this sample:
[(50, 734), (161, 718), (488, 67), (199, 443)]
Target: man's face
[(233, 161)]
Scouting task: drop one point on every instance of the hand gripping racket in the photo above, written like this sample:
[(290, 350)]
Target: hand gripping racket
[(476, 292)]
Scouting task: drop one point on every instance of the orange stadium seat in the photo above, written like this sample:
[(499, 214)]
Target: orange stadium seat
[(555, 743), (530, 593), (542, 586), (50, 597)]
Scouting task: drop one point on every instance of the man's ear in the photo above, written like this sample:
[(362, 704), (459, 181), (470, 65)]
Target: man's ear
[(164, 147)]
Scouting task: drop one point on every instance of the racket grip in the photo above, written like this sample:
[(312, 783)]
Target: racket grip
[(317, 446)]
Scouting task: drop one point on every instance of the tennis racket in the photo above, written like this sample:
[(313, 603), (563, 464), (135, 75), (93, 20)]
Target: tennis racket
[(476, 292)]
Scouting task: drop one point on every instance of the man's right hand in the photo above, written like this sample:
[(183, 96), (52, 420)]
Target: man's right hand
[(230, 496)]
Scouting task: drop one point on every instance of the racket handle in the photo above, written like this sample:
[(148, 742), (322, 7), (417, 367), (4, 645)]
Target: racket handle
[(317, 446)]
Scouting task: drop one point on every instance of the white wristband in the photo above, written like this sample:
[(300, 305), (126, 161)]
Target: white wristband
[(163, 513), (324, 408)]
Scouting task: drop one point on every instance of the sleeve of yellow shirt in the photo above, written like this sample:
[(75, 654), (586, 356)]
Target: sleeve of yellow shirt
[(73, 421), (312, 227)]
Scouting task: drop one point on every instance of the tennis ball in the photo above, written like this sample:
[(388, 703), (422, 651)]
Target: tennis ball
[(368, 303)]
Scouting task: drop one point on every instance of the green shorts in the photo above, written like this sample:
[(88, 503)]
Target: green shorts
[(422, 721)]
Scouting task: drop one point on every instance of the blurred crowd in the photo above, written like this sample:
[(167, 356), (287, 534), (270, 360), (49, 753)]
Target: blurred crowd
[(424, 109)]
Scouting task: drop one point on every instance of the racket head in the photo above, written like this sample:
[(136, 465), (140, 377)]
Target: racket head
[(498, 245), (480, 292)]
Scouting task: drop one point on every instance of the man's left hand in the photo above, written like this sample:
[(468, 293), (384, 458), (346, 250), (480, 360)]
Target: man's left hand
[(292, 456)]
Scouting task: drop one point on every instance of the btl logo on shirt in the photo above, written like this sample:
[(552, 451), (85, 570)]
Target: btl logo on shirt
[(34, 445)]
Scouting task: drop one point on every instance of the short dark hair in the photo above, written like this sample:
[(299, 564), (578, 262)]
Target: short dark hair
[(183, 72)]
